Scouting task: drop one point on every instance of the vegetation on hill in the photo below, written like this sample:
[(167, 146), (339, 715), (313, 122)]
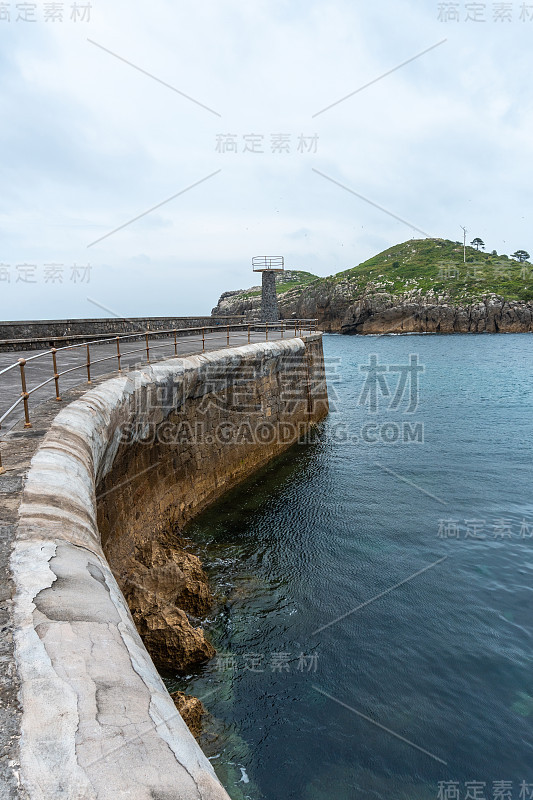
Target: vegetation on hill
[(418, 268), (436, 266), (290, 279), (433, 267)]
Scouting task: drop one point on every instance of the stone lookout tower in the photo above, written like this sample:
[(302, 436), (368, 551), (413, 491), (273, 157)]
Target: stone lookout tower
[(268, 265)]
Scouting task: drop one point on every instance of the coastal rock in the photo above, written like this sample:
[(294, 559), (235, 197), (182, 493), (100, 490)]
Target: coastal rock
[(339, 309), (162, 584), (174, 644), (175, 575), (191, 710)]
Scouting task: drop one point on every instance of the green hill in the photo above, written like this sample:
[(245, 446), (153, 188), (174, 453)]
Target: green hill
[(422, 285), (437, 266)]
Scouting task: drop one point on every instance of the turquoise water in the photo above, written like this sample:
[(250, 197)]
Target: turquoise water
[(429, 687)]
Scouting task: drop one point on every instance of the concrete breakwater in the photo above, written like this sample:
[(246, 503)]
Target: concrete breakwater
[(93, 497), (41, 334)]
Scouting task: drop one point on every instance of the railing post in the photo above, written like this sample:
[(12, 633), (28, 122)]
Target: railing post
[(266, 331), (118, 353), (56, 376), (227, 338), (24, 393), (249, 328), (147, 349), (282, 329), (175, 343), (295, 324), (88, 365)]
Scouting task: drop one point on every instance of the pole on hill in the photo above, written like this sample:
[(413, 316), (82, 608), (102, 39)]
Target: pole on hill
[(464, 244)]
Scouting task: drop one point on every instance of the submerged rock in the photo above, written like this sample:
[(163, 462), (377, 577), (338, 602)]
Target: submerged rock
[(191, 710), (174, 644), (163, 584)]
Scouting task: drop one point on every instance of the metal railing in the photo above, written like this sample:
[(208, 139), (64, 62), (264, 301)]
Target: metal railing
[(260, 263), (239, 331), (68, 335)]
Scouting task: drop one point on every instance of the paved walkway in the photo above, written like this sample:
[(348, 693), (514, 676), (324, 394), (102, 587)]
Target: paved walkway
[(41, 368)]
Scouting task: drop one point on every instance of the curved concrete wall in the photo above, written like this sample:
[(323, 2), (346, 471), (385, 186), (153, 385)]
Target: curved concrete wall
[(97, 721)]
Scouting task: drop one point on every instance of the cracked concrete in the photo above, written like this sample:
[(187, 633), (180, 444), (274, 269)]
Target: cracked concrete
[(85, 715)]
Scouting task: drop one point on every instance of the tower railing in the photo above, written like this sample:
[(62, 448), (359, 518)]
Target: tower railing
[(232, 335), (261, 263)]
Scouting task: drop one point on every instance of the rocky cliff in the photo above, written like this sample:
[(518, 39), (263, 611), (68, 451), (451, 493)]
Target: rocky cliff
[(421, 286)]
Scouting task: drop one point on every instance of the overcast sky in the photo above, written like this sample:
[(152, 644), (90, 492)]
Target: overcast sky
[(88, 143)]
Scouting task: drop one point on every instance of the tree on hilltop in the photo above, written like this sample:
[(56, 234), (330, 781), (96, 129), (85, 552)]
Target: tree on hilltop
[(477, 243), (521, 255)]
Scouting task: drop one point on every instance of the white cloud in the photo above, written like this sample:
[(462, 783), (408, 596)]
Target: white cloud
[(89, 143)]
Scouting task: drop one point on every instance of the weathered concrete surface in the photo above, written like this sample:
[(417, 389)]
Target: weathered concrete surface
[(84, 713), (92, 718), (22, 447)]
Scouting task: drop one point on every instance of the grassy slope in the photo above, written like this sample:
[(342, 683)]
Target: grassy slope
[(303, 278), (426, 266), (436, 265)]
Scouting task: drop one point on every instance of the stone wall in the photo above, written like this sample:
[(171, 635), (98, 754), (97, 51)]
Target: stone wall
[(269, 299), (116, 471), (41, 334)]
